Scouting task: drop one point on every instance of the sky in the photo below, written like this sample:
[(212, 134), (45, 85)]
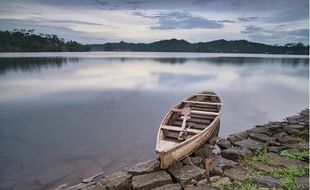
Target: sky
[(101, 21)]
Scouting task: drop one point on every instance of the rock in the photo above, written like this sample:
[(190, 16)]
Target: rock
[(260, 137), (99, 186), (194, 182), (213, 140), (275, 128), (203, 182), (276, 149), (81, 186), (145, 167), (298, 146), (236, 153), (197, 161), (116, 181), (204, 187), (204, 151), (186, 173), (238, 136), (260, 130), (302, 182), (267, 181), (174, 186), (273, 143), (223, 181), (261, 166), (223, 163), (214, 179), (294, 129), (253, 145), (288, 140), (94, 178), (294, 119), (223, 143), (216, 171), (151, 180), (237, 173), (284, 162), (279, 135)]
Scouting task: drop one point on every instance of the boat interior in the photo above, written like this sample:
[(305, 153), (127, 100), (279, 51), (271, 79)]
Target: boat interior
[(189, 118)]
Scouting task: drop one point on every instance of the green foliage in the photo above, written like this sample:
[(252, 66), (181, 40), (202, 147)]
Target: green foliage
[(260, 157), (299, 155), (287, 175), (217, 46), (247, 185), (223, 186), (26, 41)]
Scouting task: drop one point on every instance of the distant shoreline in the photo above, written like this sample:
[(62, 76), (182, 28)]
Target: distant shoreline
[(137, 54)]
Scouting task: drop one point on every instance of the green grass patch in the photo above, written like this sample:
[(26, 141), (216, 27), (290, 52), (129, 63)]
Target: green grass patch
[(287, 175), (260, 157), (299, 155)]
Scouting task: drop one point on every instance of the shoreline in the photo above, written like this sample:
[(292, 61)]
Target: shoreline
[(272, 155)]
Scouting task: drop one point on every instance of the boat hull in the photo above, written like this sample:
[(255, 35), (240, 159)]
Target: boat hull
[(178, 153)]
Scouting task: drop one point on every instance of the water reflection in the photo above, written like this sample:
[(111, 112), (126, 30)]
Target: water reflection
[(64, 117), (32, 64)]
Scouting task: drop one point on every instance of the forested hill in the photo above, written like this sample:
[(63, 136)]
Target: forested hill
[(218, 46), (26, 41)]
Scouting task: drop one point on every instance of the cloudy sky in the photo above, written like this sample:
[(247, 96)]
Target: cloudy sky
[(100, 21)]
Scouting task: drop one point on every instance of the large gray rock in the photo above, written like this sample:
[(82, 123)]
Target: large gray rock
[(288, 140), (294, 130), (253, 145), (275, 128), (284, 162), (295, 119), (260, 130), (267, 181), (302, 182), (298, 146), (204, 151), (145, 167), (197, 161), (82, 186), (186, 173), (223, 143), (223, 163), (174, 186), (260, 137), (236, 153), (276, 149), (117, 181), (223, 181), (261, 167), (237, 173), (151, 180), (238, 136)]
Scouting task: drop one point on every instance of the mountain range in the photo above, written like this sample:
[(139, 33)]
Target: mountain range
[(217, 46)]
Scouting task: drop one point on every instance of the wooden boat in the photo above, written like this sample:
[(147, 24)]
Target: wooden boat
[(188, 126)]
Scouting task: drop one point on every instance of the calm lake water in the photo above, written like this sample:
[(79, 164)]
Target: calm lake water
[(65, 116)]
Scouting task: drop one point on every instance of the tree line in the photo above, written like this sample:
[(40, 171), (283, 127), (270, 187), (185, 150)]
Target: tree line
[(22, 40), (217, 46)]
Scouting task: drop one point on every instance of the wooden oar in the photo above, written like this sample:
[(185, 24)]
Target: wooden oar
[(185, 111)]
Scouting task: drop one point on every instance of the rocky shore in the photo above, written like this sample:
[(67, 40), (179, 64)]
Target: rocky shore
[(270, 156)]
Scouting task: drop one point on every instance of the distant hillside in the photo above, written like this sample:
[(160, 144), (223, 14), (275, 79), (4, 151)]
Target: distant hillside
[(218, 46), (26, 41)]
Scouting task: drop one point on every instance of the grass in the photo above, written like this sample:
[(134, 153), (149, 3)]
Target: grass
[(299, 155), (287, 175), (260, 157)]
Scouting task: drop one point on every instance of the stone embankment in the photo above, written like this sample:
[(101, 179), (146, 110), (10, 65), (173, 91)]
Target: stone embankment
[(270, 156)]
